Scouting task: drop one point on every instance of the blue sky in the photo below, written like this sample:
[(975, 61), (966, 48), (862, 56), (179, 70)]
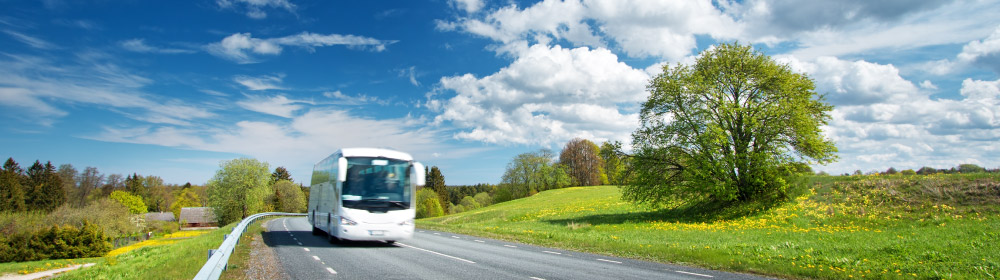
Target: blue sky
[(171, 89)]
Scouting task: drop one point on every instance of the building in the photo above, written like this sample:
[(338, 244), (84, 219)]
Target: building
[(198, 217)]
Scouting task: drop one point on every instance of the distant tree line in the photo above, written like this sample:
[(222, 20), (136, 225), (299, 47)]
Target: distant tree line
[(43, 202), (964, 168)]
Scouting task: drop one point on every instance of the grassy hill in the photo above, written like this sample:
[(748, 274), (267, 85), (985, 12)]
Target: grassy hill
[(877, 227)]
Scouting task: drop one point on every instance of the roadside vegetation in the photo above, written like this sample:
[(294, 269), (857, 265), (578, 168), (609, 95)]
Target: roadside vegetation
[(864, 226), (176, 256)]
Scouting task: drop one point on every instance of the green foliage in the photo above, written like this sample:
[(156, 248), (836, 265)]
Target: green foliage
[(280, 173), (55, 242), (133, 202), (529, 173), (483, 199), (725, 128), (113, 217), (12, 192), (180, 260), (428, 204), (615, 162), (240, 188), (45, 191), (185, 197), (583, 162), (970, 168), (470, 203), (288, 197), (435, 181), (908, 172)]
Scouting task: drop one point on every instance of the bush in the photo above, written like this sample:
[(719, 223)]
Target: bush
[(55, 242), (428, 204)]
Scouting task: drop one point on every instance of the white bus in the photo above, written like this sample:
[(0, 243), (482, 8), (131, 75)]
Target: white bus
[(365, 194)]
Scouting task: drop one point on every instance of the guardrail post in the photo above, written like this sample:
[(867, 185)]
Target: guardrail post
[(211, 252)]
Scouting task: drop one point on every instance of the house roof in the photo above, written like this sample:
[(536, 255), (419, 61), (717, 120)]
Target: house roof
[(161, 216), (199, 215)]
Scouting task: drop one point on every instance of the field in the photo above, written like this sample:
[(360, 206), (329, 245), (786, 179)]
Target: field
[(176, 256), (865, 227)]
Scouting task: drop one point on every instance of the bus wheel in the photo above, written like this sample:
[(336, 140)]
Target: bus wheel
[(315, 231), (333, 239), (390, 242)]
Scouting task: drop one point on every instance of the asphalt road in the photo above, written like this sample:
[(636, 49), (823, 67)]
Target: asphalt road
[(443, 255)]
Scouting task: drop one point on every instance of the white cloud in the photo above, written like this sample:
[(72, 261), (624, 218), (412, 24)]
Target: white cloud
[(343, 99), (410, 73), (469, 6), (640, 28), (883, 120), (299, 142), (984, 52), (239, 46), (276, 105), (38, 85), (255, 8), (34, 42), (547, 95), (139, 45), (260, 83)]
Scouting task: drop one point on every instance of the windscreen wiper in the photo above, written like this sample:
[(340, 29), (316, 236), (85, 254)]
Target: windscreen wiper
[(399, 204)]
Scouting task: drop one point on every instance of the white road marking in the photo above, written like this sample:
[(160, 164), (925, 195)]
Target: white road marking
[(480, 241), (695, 274), (300, 243), (536, 278), (315, 257), (437, 233), (550, 252), (456, 237), (331, 270), (422, 231), (436, 253), (512, 246), (307, 249), (296, 239), (610, 261)]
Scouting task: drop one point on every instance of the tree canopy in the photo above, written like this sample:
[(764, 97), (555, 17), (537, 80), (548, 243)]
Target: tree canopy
[(529, 173), (584, 162), (240, 188), (726, 128)]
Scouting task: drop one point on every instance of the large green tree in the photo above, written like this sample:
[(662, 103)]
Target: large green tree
[(240, 188), (726, 128), (582, 159), (288, 197), (435, 181)]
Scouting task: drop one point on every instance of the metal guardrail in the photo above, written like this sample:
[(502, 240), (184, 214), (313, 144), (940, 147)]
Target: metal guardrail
[(220, 257)]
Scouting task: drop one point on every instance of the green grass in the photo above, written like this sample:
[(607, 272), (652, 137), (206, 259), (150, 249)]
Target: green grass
[(874, 227), (180, 260), (42, 265), (238, 261)]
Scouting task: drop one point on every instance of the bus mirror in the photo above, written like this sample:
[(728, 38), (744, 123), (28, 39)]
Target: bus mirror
[(418, 174), (342, 169)]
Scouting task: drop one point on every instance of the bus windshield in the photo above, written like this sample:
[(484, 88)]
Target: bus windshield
[(377, 184)]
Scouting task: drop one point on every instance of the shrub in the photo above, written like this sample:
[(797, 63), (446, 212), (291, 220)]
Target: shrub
[(55, 242), (428, 204)]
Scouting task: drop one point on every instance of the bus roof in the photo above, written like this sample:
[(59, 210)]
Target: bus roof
[(374, 152)]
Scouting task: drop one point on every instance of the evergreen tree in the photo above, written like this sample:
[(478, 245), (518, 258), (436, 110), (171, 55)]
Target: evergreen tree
[(12, 187), (46, 191), (280, 173), (435, 181)]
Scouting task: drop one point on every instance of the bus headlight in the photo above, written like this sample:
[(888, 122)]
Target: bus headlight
[(406, 222), (346, 221)]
